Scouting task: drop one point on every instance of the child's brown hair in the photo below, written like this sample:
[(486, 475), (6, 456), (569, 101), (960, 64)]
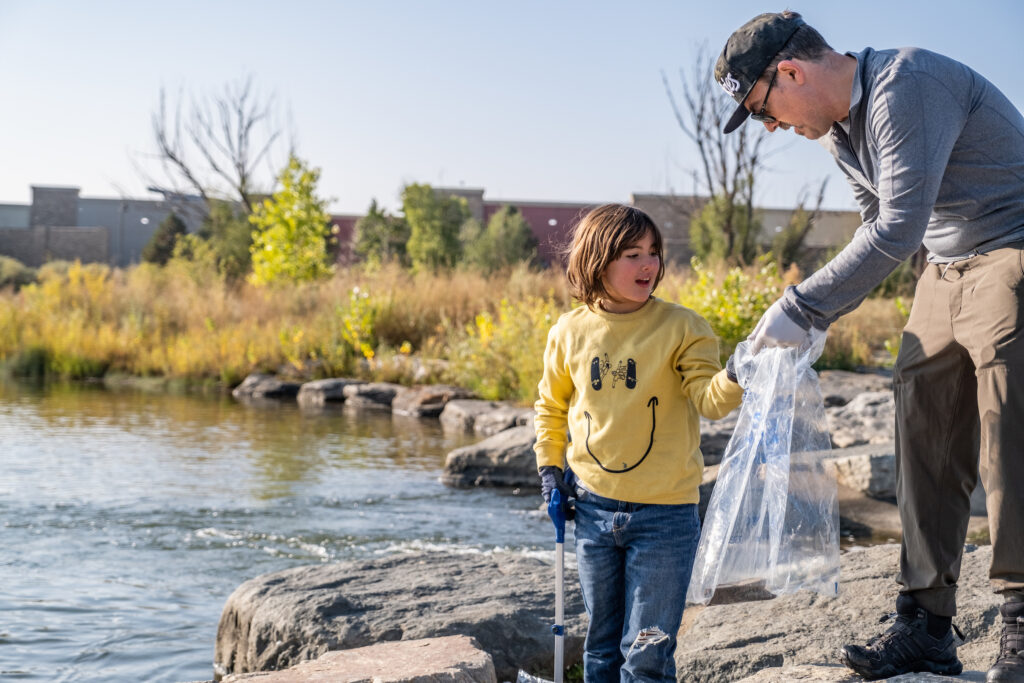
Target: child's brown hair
[(600, 238)]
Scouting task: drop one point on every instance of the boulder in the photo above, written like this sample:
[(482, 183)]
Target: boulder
[(868, 418), (504, 417), (505, 459), (260, 386), (451, 659), (839, 387), (797, 637), (323, 391), (426, 401), (503, 600), (870, 469), (372, 395), (461, 414), (484, 418)]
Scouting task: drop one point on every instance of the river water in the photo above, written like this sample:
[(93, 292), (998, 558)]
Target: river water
[(127, 518)]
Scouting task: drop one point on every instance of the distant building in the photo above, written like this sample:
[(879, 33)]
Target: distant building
[(552, 222), (61, 224), (343, 230)]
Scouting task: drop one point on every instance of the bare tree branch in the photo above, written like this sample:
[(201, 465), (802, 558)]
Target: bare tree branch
[(209, 150), (730, 164)]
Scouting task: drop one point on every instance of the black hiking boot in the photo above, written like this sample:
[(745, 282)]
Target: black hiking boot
[(1009, 664), (907, 647)]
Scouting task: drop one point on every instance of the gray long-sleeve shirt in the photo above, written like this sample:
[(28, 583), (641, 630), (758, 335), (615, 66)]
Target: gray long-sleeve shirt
[(935, 155)]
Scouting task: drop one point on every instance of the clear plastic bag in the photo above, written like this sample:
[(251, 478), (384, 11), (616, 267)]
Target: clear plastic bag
[(772, 523)]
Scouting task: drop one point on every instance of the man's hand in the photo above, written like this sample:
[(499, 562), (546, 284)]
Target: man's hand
[(775, 328), (551, 478)]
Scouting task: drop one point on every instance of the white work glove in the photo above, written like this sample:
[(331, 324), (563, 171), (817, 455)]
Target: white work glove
[(775, 328)]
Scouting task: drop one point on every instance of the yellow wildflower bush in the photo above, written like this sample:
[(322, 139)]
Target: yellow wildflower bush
[(502, 356)]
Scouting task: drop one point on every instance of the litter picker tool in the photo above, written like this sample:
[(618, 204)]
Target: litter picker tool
[(557, 514)]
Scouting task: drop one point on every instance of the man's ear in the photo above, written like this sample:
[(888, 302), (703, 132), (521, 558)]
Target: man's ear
[(793, 69)]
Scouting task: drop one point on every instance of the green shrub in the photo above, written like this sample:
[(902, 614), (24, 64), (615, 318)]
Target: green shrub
[(31, 362), (732, 300), (14, 273), (160, 247)]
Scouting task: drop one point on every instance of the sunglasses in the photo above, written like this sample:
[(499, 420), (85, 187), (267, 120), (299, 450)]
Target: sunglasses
[(761, 116)]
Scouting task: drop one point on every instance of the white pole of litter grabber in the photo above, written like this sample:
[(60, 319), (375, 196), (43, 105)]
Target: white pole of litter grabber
[(559, 613), (557, 514)]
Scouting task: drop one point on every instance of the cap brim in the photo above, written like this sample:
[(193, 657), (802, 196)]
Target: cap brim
[(737, 119)]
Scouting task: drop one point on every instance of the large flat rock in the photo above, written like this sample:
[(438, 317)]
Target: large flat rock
[(503, 600), (797, 637), (452, 659), (839, 674)]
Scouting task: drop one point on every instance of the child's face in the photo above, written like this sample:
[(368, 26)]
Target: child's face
[(629, 279)]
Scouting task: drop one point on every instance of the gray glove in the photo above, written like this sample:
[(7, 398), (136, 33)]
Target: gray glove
[(552, 478)]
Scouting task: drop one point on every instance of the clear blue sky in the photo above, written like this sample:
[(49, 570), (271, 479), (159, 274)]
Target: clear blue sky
[(529, 100)]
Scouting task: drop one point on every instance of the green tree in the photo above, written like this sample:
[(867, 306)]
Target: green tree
[(380, 237), (228, 233), (292, 228), (507, 240), (730, 165), (788, 245), (710, 242), (434, 226), (160, 247)]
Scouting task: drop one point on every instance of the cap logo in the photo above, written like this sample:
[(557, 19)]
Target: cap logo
[(730, 84)]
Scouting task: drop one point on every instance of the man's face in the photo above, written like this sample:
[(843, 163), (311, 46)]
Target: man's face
[(791, 102)]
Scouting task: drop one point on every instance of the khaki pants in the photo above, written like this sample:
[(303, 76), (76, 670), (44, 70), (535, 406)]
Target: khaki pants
[(959, 386)]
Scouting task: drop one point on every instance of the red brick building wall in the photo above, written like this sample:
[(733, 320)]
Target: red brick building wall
[(343, 228), (551, 224)]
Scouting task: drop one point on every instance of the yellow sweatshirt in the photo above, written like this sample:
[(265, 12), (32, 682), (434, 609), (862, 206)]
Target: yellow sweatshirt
[(629, 387)]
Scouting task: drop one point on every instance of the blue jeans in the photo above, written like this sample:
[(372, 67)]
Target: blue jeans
[(634, 565)]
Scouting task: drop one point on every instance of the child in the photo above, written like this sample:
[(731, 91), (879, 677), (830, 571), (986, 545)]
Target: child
[(627, 374)]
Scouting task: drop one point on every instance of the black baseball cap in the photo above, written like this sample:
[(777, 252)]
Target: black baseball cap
[(747, 53)]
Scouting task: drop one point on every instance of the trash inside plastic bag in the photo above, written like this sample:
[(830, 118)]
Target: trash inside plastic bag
[(772, 524)]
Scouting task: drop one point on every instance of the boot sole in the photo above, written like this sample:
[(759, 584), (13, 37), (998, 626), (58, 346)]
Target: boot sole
[(954, 668)]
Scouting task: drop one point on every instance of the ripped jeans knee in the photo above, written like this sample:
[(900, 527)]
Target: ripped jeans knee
[(648, 637), (650, 657)]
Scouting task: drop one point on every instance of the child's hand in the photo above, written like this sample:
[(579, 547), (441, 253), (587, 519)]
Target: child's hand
[(730, 369), (551, 478)]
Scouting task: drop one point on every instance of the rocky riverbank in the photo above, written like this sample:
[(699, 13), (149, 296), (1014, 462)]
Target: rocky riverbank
[(503, 601), (385, 615)]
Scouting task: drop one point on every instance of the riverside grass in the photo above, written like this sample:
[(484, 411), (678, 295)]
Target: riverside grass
[(486, 333)]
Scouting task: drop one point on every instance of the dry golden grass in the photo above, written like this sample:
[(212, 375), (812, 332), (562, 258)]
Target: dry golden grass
[(181, 321), (869, 335)]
